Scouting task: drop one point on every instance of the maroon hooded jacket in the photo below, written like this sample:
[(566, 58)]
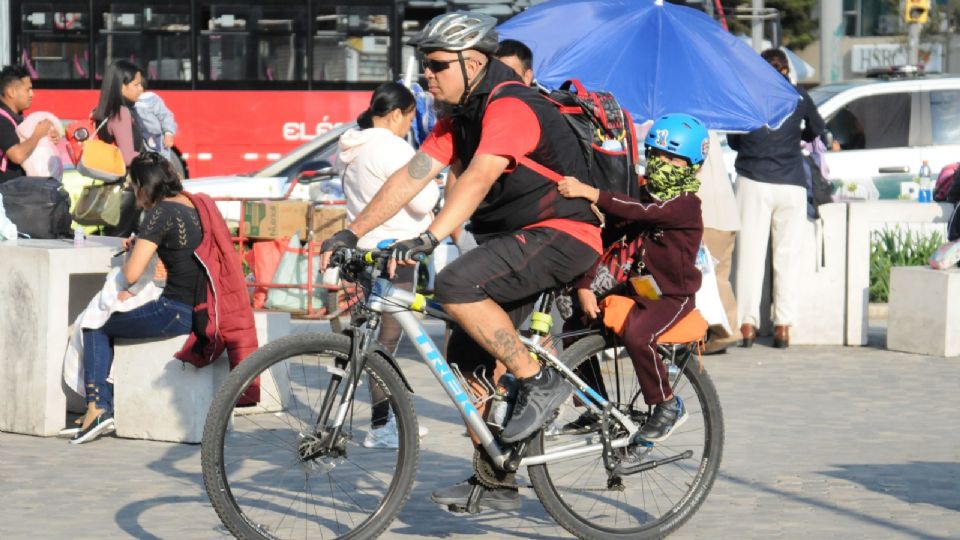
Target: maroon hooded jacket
[(222, 317)]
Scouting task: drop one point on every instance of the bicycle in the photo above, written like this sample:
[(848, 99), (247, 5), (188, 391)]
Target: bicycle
[(296, 466)]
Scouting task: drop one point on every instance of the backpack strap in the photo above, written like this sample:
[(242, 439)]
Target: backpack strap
[(96, 132), (3, 161), (526, 161), (633, 137), (497, 88), (582, 92)]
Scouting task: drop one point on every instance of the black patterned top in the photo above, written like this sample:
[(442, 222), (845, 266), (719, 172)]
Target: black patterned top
[(175, 228)]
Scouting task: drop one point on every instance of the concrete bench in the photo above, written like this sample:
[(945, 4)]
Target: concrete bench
[(923, 312), (168, 400), (45, 285)]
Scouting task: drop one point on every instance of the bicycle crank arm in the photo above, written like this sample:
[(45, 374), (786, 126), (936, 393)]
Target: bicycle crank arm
[(619, 470)]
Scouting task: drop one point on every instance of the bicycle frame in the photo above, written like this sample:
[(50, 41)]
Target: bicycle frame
[(385, 298)]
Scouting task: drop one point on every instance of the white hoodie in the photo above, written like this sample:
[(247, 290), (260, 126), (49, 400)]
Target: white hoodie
[(368, 157)]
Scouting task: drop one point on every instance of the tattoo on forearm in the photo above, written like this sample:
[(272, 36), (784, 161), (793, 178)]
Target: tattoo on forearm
[(505, 346), (419, 167)]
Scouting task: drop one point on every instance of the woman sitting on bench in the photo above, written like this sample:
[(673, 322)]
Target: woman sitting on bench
[(191, 239)]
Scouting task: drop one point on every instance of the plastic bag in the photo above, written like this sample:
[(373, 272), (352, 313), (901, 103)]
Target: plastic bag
[(708, 297), (264, 258), (945, 256), (292, 270)]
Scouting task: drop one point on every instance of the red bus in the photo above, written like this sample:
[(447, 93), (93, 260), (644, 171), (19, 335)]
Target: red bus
[(247, 81)]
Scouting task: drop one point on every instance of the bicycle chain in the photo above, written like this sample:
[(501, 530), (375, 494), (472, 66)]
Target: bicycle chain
[(489, 475)]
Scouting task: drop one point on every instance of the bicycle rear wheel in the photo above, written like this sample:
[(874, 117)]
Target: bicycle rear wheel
[(270, 471), (579, 493)]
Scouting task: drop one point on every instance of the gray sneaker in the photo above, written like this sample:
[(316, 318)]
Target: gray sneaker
[(536, 401), (494, 498)]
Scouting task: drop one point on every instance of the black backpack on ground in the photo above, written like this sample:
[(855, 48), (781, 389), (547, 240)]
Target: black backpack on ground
[(40, 207)]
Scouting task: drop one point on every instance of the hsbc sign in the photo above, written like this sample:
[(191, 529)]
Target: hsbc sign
[(883, 55)]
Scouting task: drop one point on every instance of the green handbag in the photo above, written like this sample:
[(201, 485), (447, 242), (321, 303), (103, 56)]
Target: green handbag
[(100, 204)]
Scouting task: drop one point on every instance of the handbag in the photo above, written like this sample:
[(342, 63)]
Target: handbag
[(99, 204), (819, 189), (101, 160)]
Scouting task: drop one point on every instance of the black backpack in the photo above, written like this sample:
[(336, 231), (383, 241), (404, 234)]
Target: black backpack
[(40, 207), (608, 140), (606, 135)]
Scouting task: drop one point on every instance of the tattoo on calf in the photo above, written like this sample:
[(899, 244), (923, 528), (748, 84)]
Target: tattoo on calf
[(505, 347), (419, 167)]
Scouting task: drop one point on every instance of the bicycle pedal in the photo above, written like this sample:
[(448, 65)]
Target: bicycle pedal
[(460, 509)]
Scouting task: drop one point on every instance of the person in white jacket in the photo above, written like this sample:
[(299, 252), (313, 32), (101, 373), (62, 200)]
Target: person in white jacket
[(368, 156)]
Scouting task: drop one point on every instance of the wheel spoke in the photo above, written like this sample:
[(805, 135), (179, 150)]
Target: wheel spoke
[(341, 488)]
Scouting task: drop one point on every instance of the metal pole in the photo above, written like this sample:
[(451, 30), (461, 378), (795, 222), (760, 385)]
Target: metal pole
[(913, 44), (5, 31), (756, 25), (831, 32)]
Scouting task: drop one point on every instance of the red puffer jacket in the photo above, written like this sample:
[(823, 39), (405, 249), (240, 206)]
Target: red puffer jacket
[(225, 318)]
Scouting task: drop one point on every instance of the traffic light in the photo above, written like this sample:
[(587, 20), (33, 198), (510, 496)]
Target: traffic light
[(916, 11)]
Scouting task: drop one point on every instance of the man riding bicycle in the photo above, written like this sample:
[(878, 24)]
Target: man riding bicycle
[(503, 143)]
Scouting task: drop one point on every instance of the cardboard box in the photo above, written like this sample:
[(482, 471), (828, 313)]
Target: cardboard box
[(274, 219), (328, 220)]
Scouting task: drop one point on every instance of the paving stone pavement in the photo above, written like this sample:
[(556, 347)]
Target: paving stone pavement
[(821, 442)]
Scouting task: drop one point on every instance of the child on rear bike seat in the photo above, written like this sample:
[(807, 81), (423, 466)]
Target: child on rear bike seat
[(662, 284)]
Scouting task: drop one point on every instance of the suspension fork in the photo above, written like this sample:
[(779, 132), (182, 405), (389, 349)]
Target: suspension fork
[(355, 362)]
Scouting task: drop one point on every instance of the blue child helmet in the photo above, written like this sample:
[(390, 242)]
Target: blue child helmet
[(681, 135)]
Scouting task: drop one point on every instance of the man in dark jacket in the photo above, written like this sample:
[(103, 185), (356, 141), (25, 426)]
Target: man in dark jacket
[(772, 195), (506, 146)]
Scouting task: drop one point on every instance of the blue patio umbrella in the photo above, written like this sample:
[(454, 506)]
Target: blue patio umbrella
[(656, 58)]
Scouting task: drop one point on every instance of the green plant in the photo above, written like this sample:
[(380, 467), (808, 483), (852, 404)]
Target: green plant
[(897, 247)]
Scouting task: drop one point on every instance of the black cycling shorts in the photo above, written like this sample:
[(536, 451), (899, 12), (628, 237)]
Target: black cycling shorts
[(512, 270)]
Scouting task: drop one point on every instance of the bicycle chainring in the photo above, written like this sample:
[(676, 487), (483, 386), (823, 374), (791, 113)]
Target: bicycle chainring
[(488, 474)]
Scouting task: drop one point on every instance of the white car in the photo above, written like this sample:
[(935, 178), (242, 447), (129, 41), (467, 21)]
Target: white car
[(318, 154), (887, 128)]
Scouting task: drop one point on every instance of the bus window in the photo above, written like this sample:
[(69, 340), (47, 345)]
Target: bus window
[(53, 40), (352, 44), (252, 42), (153, 35)]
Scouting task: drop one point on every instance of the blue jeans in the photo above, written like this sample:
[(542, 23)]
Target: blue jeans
[(160, 318)]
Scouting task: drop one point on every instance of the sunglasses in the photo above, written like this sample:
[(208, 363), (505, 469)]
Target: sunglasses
[(435, 66)]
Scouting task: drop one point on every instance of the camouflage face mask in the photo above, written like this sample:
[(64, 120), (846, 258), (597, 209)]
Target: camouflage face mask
[(666, 181)]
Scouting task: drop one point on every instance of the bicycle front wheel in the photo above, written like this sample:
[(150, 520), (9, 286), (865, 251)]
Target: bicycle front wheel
[(279, 470), (579, 493)]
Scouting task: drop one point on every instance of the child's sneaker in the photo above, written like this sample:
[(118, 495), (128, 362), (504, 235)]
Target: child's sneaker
[(666, 417)]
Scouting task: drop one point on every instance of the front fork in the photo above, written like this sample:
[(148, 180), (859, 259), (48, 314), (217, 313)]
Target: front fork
[(351, 369)]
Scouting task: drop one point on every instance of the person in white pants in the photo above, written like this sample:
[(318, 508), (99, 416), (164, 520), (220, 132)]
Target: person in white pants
[(768, 211), (771, 194)]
